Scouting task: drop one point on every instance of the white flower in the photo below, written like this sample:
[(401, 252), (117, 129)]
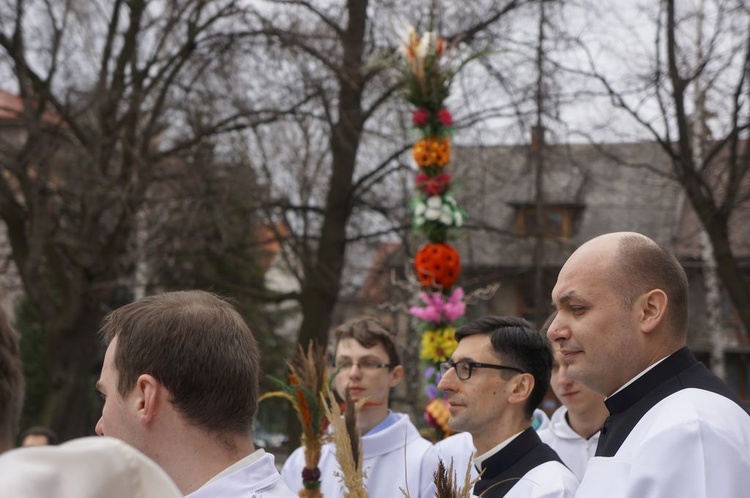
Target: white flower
[(434, 202), (446, 218), (458, 218), (450, 200), (433, 214), (419, 209), (419, 221)]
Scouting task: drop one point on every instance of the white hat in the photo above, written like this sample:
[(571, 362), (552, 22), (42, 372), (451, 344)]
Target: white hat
[(89, 467)]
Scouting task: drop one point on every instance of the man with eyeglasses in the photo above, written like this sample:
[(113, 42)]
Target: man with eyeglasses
[(366, 361), (494, 380)]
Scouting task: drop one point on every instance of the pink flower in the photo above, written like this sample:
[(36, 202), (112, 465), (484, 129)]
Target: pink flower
[(445, 117), (420, 117), (455, 307), (438, 308), (429, 313)]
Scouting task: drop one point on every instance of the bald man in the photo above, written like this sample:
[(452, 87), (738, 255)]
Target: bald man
[(674, 429)]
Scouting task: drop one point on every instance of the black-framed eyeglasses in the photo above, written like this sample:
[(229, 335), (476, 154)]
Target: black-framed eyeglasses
[(465, 367)]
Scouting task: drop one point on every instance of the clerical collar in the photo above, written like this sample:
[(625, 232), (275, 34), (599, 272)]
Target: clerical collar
[(638, 376), (481, 458), (648, 380)]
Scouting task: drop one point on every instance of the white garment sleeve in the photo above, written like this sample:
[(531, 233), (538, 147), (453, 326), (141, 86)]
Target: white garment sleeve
[(291, 472), (693, 460), (427, 472)]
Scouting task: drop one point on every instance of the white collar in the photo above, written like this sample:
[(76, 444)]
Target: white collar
[(638, 376), (252, 457), (481, 458)]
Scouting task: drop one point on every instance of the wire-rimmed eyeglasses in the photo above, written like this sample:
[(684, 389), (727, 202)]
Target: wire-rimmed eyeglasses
[(465, 367), (362, 365)]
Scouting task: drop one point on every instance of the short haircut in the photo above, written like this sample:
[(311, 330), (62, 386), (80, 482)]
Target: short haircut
[(368, 332), (196, 345), (518, 344), (38, 430), (11, 383), (643, 265)]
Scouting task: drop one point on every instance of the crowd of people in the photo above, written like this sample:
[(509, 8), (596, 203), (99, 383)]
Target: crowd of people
[(639, 415)]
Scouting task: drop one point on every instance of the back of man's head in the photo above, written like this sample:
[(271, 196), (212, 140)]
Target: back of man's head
[(198, 347), (643, 265), (518, 344), (38, 436), (368, 332), (11, 383)]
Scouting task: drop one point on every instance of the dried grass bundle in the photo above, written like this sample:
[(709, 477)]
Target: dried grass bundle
[(446, 482), (348, 444), (307, 389)]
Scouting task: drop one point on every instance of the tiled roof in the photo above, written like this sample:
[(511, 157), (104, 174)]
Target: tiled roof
[(638, 196)]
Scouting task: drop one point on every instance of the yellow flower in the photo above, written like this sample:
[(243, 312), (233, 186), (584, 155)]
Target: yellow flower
[(438, 345)]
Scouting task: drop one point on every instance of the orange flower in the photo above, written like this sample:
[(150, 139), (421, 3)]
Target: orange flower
[(432, 151), (437, 265)]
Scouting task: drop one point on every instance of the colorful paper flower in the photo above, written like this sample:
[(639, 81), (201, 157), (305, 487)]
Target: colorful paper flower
[(440, 308), (438, 345), (420, 117), (437, 265), (445, 117), (432, 151)]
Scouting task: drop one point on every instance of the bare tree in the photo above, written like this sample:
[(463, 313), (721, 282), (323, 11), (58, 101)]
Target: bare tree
[(345, 146), (113, 93), (658, 87)]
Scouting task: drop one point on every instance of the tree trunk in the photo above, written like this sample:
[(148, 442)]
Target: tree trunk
[(71, 407), (729, 270), (322, 279), (713, 304)]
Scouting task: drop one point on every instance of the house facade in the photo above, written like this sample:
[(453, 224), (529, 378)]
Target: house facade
[(523, 225)]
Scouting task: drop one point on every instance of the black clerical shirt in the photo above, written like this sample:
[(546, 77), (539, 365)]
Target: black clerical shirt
[(505, 468), (678, 371)]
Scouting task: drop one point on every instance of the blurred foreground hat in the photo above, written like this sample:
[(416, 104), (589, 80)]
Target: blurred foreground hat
[(89, 467)]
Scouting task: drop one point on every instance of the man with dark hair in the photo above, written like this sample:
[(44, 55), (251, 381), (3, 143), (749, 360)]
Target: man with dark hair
[(38, 436), (180, 383), (11, 383), (674, 429), (494, 380), (394, 453)]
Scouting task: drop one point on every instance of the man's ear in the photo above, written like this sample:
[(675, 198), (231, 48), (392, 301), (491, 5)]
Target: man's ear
[(522, 386), (149, 396), (652, 308), (396, 374)]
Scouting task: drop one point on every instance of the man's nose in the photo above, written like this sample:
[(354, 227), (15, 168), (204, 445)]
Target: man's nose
[(562, 377), (558, 330), (354, 371), (447, 381), (99, 427)]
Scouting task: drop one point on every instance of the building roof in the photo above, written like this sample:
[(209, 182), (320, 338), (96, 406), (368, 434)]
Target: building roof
[(11, 110), (611, 188)]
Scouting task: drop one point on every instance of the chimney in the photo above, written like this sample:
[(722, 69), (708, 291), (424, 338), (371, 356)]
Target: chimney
[(537, 138)]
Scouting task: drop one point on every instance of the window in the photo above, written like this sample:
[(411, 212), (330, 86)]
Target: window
[(557, 219)]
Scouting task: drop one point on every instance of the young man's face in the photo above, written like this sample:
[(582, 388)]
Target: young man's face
[(118, 414), (476, 404), (576, 397), (364, 378)]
